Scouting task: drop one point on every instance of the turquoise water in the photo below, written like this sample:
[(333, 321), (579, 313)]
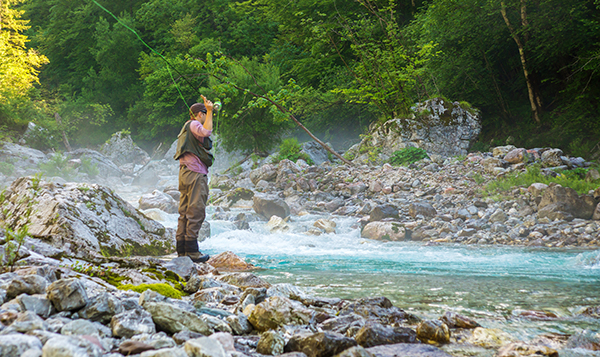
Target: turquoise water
[(492, 284)]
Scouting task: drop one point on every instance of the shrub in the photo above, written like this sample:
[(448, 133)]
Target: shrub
[(290, 149), (58, 165), (7, 168), (88, 167), (407, 156)]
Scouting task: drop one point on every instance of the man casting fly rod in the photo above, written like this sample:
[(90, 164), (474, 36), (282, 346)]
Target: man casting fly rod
[(193, 145)]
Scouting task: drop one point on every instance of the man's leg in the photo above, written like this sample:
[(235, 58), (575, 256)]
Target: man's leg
[(182, 222), (195, 215)]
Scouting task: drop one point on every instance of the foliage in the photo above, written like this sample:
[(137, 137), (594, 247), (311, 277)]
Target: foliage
[(88, 167), (16, 224), (290, 149), (57, 165), (407, 156), (574, 180), (6, 168)]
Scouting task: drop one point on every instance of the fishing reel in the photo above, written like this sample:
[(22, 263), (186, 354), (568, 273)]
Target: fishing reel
[(216, 106)]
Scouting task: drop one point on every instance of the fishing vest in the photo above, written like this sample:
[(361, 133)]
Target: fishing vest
[(187, 142)]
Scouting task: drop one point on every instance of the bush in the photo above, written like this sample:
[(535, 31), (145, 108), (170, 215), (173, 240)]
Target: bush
[(407, 156), (7, 168), (58, 165), (290, 149), (88, 167)]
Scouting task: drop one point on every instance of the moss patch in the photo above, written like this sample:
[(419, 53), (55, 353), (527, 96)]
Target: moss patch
[(161, 288)]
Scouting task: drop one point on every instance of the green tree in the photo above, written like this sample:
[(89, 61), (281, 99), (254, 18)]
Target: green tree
[(19, 65)]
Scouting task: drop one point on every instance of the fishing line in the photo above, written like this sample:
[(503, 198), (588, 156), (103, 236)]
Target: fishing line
[(152, 49)]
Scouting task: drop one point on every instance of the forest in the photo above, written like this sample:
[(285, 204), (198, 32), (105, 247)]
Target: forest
[(88, 68)]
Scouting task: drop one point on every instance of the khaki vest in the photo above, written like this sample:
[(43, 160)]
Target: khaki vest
[(187, 142)]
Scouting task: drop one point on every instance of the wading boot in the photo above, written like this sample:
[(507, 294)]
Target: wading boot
[(198, 257), (191, 250), (180, 246)]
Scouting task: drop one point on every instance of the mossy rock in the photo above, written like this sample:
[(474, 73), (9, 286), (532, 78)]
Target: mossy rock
[(161, 288), (240, 194)]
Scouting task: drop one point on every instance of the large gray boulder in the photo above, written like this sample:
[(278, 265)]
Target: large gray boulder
[(173, 319), (67, 294), (321, 344), (71, 346), (268, 206), (277, 311), (21, 156), (16, 344), (132, 322), (438, 126), (316, 152), (564, 203), (106, 168), (407, 350), (160, 200), (86, 221), (121, 149)]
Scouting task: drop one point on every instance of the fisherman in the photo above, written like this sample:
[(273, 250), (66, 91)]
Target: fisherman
[(193, 145)]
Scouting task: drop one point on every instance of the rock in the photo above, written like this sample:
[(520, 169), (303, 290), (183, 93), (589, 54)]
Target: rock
[(520, 349), (132, 322), (87, 221), (214, 295), (182, 266), (79, 327), (276, 311), (277, 225), (268, 206), (552, 158), (498, 216), (384, 231), (129, 347), (445, 129), (374, 334), (121, 150), (270, 343), (15, 344), (421, 208), (228, 261), (502, 151), (326, 225), (71, 346), (28, 284), (106, 167), (491, 163), (454, 320), (204, 347), (28, 321), (380, 212), (266, 173), (173, 319), (406, 350), (225, 339), (316, 152), (356, 351), (433, 331), (537, 189), (165, 352), (592, 175), (37, 303), (489, 338), (516, 156), (321, 344), (67, 294), (562, 202), (160, 200), (244, 280), (102, 308)]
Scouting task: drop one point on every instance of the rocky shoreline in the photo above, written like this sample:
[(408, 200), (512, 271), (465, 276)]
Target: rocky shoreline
[(73, 292)]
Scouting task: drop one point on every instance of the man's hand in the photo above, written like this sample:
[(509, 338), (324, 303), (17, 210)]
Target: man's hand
[(208, 104)]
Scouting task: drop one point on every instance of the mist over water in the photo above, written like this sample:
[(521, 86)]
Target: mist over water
[(492, 284)]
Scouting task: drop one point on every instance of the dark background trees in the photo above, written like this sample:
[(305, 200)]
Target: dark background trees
[(530, 66)]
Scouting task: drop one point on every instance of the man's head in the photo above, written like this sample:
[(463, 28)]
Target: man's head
[(198, 112)]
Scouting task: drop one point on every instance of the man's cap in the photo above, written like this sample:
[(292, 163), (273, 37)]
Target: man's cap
[(197, 108)]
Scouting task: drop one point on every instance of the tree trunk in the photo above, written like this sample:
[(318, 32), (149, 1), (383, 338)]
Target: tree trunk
[(534, 98), (64, 135)]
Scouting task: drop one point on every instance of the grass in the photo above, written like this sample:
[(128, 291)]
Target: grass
[(573, 179)]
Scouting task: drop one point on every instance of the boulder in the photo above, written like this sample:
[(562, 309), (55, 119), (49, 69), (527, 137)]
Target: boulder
[(102, 308), (552, 157), (270, 343), (321, 344), (537, 189), (390, 231), (228, 261), (79, 327), (71, 346), (182, 266), (160, 200), (516, 156), (167, 352), (421, 208), (381, 212), (244, 280), (173, 319), (239, 324), (316, 152), (67, 294), (16, 344), (21, 156), (277, 225), (374, 334), (37, 303), (106, 167), (406, 350), (28, 284), (121, 149), (443, 128), (268, 206), (564, 203), (491, 163), (489, 338), (266, 173), (433, 332), (28, 321), (277, 311), (87, 221), (204, 347), (132, 322), (502, 151)]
